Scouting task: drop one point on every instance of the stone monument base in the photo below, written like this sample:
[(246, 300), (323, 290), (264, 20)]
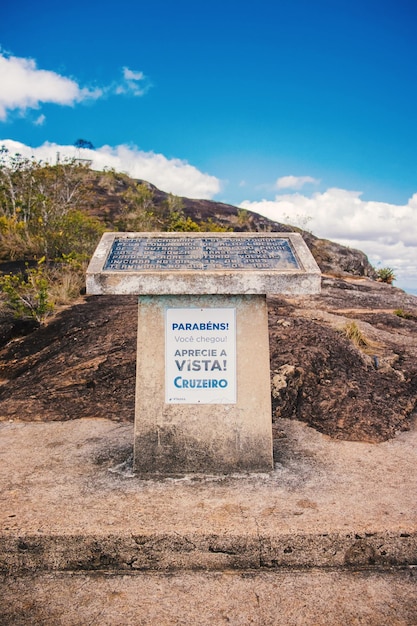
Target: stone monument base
[(203, 400), (176, 433)]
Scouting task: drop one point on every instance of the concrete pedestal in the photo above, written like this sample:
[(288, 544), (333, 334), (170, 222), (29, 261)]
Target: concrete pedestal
[(203, 400), (176, 438)]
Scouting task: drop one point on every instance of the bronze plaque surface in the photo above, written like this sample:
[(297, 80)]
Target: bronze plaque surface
[(205, 253)]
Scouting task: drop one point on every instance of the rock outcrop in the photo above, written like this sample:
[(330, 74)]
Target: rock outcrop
[(345, 362), (82, 362)]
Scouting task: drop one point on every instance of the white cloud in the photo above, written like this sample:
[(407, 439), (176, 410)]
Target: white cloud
[(40, 120), (171, 175), (132, 75), (295, 182), (24, 86), (134, 83), (386, 232)]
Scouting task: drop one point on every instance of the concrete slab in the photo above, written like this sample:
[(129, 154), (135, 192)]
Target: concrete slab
[(202, 263), (70, 501)]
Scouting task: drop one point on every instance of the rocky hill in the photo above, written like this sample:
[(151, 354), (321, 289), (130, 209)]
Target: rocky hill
[(82, 362), (344, 361), (108, 203)]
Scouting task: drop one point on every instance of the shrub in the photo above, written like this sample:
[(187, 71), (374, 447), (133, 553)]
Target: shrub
[(179, 223), (27, 295), (36, 292), (74, 233), (15, 240), (41, 209), (212, 227), (386, 275)]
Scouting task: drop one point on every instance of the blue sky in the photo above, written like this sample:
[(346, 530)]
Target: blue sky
[(303, 111)]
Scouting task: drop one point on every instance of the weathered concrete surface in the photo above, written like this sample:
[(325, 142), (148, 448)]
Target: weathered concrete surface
[(281, 598), (209, 438), (283, 279), (69, 501), (205, 550)]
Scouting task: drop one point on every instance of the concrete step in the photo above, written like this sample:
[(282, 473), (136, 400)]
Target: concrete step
[(69, 501), (279, 598), (328, 537)]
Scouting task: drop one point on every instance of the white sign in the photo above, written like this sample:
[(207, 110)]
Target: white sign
[(200, 356)]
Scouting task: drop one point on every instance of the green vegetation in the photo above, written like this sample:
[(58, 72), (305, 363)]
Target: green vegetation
[(27, 294), (43, 222), (41, 210), (46, 220), (137, 211), (84, 143), (404, 314), (386, 275), (210, 226)]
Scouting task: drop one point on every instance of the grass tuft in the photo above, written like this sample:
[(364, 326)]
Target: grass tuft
[(404, 314), (352, 331)]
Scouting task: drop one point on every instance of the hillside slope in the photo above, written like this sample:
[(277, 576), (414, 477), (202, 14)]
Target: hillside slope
[(81, 363), (108, 202)]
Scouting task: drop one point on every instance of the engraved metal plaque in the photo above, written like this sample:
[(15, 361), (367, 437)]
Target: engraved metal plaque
[(205, 253), (202, 263)]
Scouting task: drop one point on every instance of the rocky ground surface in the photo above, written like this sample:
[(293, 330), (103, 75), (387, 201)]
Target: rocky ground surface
[(328, 537), (321, 376), (81, 363)]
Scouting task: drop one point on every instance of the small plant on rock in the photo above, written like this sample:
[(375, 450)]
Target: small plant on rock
[(404, 314), (352, 331), (386, 275)]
